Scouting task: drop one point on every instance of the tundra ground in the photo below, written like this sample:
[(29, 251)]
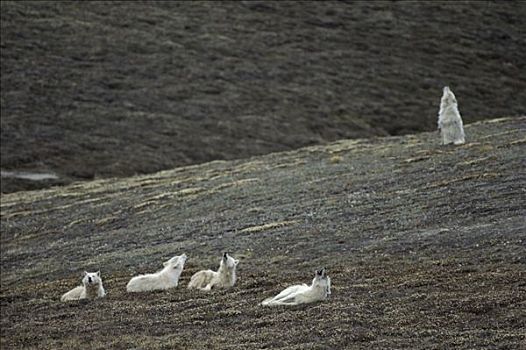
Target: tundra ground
[(425, 246), (92, 90)]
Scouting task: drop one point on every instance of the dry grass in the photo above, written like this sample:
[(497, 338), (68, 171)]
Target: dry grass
[(119, 89), (425, 254)]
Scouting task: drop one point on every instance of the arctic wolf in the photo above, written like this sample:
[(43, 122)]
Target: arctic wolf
[(91, 288), (164, 279), (225, 277), (320, 289), (449, 120)]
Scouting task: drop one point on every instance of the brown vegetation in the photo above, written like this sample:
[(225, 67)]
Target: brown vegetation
[(93, 90), (424, 245)]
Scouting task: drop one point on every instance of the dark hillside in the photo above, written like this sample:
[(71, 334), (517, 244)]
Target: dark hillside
[(425, 246), (93, 89)]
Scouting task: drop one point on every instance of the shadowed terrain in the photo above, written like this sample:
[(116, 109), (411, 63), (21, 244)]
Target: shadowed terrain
[(425, 246), (94, 90)]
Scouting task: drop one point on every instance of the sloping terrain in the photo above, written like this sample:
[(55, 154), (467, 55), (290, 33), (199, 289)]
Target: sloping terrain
[(425, 245), (93, 89)]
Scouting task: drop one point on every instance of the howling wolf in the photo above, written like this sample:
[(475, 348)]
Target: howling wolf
[(164, 279), (320, 289), (91, 288), (225, 277), (449, 120)]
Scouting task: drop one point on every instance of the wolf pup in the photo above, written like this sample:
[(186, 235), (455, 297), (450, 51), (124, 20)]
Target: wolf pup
[(449, 120), (91, 288), (320, 289), (164, 279), (225, 277)]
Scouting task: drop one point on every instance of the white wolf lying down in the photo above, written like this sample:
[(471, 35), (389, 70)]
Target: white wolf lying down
[(91, 288), (164, 279), (449, 120), (320, 289), (225, 277)]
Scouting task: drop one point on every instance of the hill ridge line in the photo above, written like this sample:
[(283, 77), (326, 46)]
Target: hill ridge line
[(6, 198)]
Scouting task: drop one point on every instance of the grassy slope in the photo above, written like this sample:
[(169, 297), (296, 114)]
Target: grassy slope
[(93, 90), (424, 245)]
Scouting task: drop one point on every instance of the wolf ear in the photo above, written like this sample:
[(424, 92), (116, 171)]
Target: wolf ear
[(98, 273), (166, 263), (446, 89), (225, 255), (85, 273), (236, 261)]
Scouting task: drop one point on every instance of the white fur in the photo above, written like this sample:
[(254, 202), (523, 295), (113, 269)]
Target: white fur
[(320, 289), (91, 288), (164, 279), (225, 277), (449, 120)]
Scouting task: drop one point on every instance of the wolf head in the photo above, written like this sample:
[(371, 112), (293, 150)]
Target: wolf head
[(322, 280), (177, 262), (320, 274), (228, 261), (448, 98), (91, 278)]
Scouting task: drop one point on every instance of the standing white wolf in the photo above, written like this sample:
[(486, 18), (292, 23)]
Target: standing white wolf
[(449, 120), (164, 279), (91, 288), (225, 277), (320, 289)]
